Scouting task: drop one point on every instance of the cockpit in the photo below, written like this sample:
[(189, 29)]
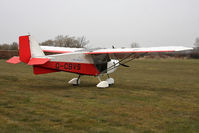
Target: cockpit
[(100, 61)]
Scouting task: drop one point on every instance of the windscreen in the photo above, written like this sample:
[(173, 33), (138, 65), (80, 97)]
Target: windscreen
[(100, 61)]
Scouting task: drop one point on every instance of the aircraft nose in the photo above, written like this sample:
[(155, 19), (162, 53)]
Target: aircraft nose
[(116, 63)]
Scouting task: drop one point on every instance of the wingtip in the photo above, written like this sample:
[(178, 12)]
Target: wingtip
[(185, 48)]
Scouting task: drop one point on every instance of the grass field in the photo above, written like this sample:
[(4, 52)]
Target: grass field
[(152, 96)]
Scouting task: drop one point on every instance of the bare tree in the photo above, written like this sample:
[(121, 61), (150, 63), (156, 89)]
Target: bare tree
[(66, 41), (48, 43), (197, 42), (59, 41), (69, 41), (4, 46), (14, 46), (134, 45), (82, 42)]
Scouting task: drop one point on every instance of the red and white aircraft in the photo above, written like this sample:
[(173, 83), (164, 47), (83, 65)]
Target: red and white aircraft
[(94, 62)]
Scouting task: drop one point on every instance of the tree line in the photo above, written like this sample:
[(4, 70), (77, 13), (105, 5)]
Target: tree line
[(67, 41), (6, 46), (59, 41), (79, 42)]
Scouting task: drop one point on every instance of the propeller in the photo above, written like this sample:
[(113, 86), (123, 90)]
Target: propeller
[(124, 65), (115, 55)]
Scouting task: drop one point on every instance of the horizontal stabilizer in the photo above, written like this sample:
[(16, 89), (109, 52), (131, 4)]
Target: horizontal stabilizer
[(41, 70), (38, 61), (14, 60)]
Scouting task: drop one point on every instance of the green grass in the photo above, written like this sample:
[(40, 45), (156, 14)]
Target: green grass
[(152, 96)]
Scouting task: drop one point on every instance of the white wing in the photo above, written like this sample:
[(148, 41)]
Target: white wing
[(117, 50), (140, 50), (52, 49)]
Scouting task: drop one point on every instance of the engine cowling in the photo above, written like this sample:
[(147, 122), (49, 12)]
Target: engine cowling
[(112, 65)]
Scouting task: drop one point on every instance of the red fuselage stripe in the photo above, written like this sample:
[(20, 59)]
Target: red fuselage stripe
[(80, 68)]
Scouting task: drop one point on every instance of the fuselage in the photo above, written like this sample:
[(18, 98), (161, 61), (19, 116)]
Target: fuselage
[(82, 64)]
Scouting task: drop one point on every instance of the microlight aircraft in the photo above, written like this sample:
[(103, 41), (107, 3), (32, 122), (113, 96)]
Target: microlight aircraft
[(93, 62)]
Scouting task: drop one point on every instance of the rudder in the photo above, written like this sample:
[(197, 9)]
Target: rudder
[(24, 49)]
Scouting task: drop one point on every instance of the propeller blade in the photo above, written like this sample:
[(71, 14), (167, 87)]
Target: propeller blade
[(115, 55), (124, 65), (118, 58)]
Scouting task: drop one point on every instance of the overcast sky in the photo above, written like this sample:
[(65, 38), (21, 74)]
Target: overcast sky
[(103, 22)]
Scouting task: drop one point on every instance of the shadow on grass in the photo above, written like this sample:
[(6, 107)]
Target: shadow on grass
[(58, 86)]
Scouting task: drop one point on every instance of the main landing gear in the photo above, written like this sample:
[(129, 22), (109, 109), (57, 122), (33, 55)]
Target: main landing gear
[(75, 81), (102, 84)]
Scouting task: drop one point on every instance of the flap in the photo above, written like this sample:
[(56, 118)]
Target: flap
[(38, 61), (14, 60)]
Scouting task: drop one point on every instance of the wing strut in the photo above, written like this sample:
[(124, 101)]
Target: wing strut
[(112, 67), (143, 54)]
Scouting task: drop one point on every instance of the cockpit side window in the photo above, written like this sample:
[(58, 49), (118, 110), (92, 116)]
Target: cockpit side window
[(100, 61)]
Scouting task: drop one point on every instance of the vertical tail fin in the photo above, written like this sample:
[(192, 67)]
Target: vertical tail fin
[(24, 49), (29, 48)]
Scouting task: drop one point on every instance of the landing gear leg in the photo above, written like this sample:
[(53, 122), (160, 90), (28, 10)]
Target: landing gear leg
[(110, 80), (75, 81), (102, 84)]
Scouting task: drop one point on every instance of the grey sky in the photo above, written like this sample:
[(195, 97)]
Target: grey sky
[(103, 22)]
